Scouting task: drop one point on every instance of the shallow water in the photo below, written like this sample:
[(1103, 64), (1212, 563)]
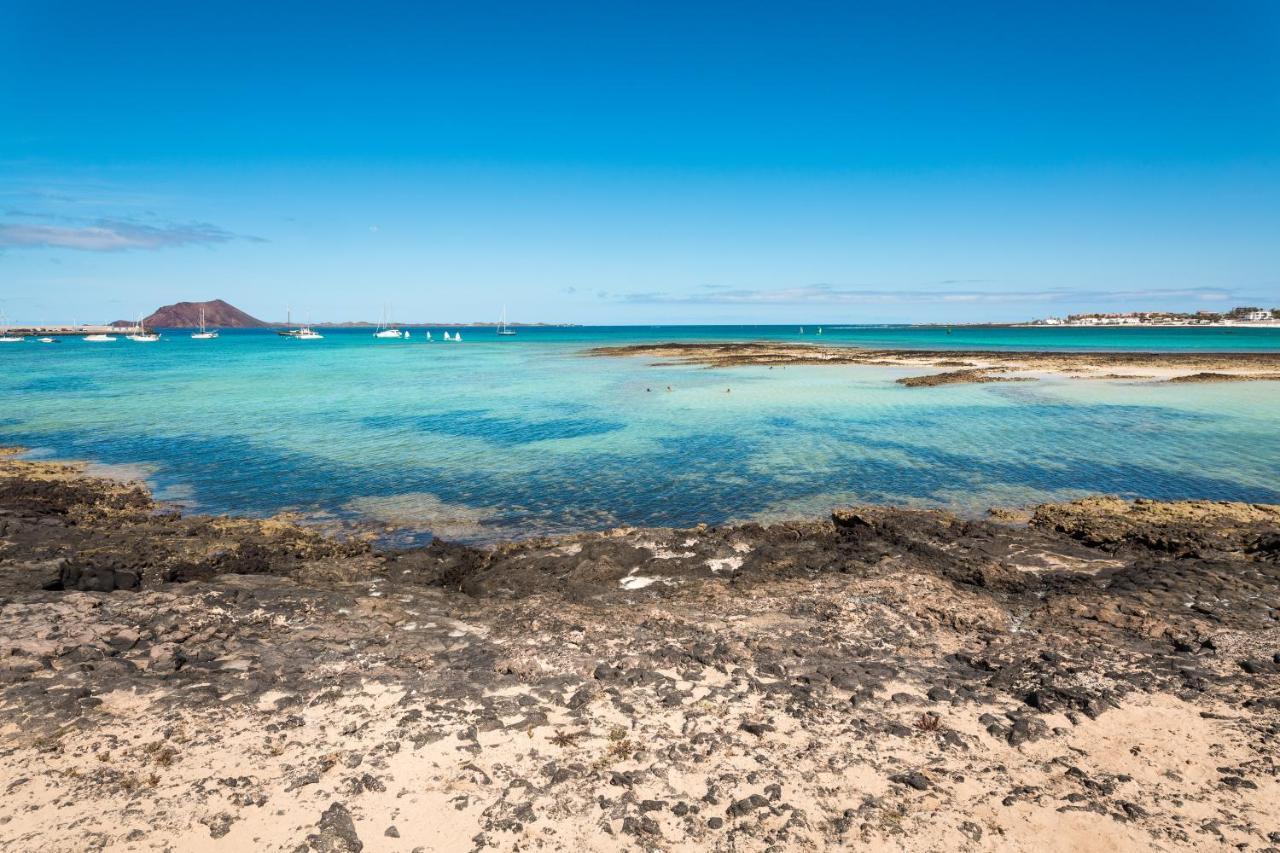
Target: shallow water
[(497, 437)]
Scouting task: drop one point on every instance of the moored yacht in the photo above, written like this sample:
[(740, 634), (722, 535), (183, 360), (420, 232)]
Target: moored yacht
[(503, 328), (99, 338), (204, 334), (302, 333), (387, 329), (6, 336), (142, 336)]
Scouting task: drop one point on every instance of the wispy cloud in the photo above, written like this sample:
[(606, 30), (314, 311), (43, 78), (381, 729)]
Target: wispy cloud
[(826, 294), (114, 235)]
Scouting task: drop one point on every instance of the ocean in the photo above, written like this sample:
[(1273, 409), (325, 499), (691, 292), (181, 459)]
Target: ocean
[(493, 438)]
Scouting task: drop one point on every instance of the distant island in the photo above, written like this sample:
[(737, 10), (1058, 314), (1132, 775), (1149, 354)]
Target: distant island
[(186, 315), (220, 314)]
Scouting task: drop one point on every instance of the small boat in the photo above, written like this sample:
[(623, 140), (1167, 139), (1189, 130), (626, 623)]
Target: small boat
[(457, 336), (387, 329), (448, 337), (302, 333), (7, 337), (48, 340), (99, 339), (503, 328), (204, 334), (142, 336), (802, 330), (428, 336)]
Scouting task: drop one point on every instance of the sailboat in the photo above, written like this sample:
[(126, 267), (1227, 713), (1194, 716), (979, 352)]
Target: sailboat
[(503, 328), (6, 337), (142, 336), (204, 334), (387, 329), (302, 333)]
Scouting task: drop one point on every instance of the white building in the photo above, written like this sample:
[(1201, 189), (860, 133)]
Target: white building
[(1258, 315)]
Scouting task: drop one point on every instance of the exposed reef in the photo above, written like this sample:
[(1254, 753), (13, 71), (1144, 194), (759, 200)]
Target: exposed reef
[(958, 377), (982, 365), (1100, 673)]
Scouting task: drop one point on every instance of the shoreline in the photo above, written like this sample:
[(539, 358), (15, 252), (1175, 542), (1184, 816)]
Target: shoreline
[(971, 365), (1093, 670)]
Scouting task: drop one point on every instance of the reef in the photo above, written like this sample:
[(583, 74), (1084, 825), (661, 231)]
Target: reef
[(1099, 673), (982, 365)]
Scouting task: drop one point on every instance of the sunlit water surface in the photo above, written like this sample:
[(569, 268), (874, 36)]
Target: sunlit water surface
[(497, 437)]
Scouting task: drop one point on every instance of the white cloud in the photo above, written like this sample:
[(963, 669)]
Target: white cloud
[(825, 294), (113, 235)]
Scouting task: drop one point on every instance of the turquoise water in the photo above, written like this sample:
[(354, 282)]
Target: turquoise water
[(497, 437)]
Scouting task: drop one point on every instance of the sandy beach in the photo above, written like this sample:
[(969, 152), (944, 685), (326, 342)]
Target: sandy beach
[(1054, 678)]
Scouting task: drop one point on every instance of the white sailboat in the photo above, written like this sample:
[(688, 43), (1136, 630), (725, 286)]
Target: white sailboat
[(503, 328), (204, 334), (142, 336), (387, 329), (302, 333), (6, 337)]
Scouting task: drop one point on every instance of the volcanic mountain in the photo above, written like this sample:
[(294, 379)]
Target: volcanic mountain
[(217, 314)]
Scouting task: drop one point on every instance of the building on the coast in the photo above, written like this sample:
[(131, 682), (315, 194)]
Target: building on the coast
[(1258, 315)]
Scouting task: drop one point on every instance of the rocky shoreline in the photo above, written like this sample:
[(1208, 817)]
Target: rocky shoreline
[(976, 366), (1095, 673)]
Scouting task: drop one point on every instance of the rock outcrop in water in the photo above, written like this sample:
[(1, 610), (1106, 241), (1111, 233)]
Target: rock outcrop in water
[(982, 365), (217, 315), (1101, 673)]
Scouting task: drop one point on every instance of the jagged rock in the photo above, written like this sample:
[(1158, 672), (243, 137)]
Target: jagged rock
[(337, 832)]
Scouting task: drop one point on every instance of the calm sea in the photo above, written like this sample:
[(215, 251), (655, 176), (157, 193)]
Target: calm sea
[(497, 437)]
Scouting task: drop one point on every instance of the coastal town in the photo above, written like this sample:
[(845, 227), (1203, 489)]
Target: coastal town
[(1243, 316)]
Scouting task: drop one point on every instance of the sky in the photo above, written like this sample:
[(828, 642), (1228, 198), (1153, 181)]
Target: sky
[(627, 162)]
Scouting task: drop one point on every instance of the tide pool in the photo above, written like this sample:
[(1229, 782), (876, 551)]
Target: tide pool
[(498, 437)]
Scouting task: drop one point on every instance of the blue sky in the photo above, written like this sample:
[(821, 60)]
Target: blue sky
[(614, 162)]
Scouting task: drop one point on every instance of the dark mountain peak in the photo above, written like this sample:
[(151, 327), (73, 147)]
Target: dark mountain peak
[(217, 314)]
